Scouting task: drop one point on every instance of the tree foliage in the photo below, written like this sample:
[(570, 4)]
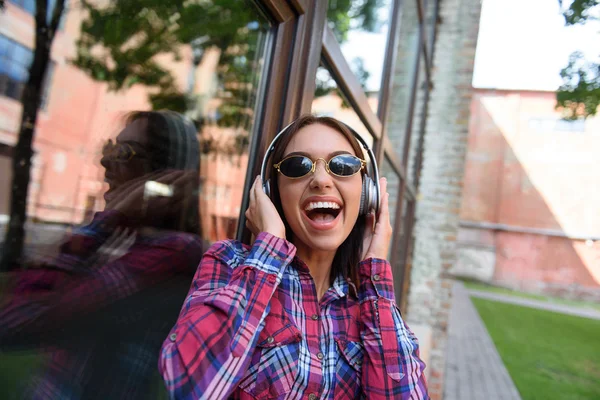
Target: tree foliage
[(121, 40), (579, 94)]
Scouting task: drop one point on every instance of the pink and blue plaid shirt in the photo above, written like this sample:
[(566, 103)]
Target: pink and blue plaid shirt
[(252, 327)]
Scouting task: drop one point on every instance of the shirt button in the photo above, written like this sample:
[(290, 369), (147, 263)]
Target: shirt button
[(376, 277), (173, 337), (270, 339), (320, 356), (315, 317), (312, 396)]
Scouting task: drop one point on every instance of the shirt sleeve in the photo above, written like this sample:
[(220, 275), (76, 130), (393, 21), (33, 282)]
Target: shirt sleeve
[(210, 347), (391, 367)]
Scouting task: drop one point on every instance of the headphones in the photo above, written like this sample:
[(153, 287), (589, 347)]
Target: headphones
[(370, 194)]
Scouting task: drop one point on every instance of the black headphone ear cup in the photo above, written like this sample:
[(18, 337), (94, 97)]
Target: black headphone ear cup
[(267, 188)]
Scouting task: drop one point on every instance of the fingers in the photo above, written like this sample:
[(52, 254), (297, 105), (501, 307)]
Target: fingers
[(384, 222)]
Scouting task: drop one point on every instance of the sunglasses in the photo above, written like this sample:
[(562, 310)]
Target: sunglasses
[(343, 165), (118, 152)]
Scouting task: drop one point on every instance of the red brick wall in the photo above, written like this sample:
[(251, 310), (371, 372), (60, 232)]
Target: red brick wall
[(525, 169)]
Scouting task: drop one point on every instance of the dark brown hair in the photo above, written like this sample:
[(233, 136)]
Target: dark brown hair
[(348, 255), (173, 144)]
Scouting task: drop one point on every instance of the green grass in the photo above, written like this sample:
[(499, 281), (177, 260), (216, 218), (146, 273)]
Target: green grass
[(548, 355), (555, 300)]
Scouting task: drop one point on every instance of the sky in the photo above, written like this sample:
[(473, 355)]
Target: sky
[(523, 44)]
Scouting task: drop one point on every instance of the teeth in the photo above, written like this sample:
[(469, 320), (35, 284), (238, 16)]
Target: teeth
[(321, 204)]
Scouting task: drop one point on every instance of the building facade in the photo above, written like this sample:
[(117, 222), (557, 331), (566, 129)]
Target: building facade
[(528, 213)]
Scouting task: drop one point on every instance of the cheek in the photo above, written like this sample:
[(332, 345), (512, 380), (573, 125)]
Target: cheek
[(289, 201), (352, 194)]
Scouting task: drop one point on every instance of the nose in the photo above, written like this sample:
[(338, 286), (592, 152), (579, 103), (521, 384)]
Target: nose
[(105, 161), (321, 178)]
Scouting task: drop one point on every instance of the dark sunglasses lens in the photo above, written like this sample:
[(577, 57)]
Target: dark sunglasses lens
[(296, 166), (345, 165)]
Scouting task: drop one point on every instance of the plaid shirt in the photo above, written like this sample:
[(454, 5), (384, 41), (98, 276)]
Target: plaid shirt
[(99, 313), (252, 327)]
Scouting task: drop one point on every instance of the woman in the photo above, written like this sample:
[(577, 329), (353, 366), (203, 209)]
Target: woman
[(100, 310), (308, 311)]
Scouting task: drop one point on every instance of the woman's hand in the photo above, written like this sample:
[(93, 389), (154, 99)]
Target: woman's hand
[(376, 241), (261, 215), (131, 198)]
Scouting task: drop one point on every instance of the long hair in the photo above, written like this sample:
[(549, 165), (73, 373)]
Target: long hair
[(348, 255), (173, 144)]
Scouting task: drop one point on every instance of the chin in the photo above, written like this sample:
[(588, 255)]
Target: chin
[(324, 243)]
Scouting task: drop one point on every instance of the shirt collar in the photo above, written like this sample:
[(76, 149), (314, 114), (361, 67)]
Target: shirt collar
[(341, 286)]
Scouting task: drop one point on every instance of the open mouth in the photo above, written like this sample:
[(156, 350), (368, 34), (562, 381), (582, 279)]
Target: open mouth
[(322, 212)]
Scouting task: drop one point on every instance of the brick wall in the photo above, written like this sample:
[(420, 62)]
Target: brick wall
[(441, 183), (529, 209)]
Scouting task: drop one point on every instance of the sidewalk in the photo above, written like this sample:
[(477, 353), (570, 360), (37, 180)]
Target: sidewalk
[(542, 305), (474, 370)]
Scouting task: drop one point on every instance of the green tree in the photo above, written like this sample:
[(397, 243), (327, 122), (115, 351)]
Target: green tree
[(46, 24), (579, 94), (120, 41)]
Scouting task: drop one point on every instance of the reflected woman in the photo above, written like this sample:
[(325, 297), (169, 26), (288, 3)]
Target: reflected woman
[(307, 311), (100, 310)]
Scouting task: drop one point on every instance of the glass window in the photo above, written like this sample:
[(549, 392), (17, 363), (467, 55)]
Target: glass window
[(29, 6), (393, 189), (361, 28), (401, 247), (430, 22), (404, 69), (330, 101), (417, 119), (140, 163), (15, 60)]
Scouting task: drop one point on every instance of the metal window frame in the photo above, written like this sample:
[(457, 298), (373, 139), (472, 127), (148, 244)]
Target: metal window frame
[(301, 39)]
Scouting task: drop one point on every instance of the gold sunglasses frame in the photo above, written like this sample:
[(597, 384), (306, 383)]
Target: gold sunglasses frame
[(109, 143), (363, 164)]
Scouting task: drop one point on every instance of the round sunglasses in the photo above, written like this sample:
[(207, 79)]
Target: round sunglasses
[(118, 152), (297, 166)]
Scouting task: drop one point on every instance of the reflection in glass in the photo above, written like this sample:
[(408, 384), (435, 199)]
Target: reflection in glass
[(393, 188), (430, 21), (330, 101), (361, 27), (408, 48), (417, 120), (141, 148)]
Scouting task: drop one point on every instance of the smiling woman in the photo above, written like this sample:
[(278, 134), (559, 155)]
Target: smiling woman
[(308, 310)]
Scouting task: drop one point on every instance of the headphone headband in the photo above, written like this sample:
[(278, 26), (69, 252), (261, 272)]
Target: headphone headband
[(373, 199)]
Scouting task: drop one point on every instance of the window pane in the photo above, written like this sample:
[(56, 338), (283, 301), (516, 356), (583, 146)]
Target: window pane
[(401, 247), (330, 101), (403, 74), (361, 28), (14, 68), (393, 188), (430, 21), (29, 6), (140, 162), (417, 119)]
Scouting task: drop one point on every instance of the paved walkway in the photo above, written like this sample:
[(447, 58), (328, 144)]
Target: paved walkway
[(542, 305), (474, 370)]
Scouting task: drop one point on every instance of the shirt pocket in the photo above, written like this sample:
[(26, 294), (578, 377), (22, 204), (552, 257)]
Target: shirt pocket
[(274, 364), (349, 369)]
